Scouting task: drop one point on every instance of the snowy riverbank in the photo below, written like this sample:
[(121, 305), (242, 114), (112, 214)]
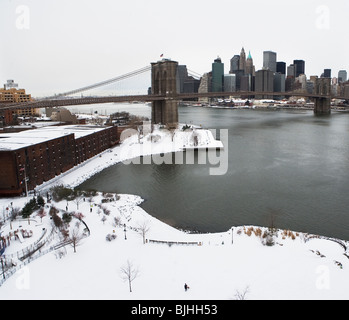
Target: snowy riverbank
[(225, 265), (161, 141)]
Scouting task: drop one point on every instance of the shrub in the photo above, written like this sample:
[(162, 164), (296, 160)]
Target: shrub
[(53, 211), (61, 192), (110, 237), (66, 217), (57, 221), (40, 201), (29, 208)]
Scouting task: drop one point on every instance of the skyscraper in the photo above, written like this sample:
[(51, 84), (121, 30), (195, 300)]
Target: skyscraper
[(249, 68), (235, 64), (291, 71), (217, 75), (269, 60), (243, 60), (299, 67), (281, 67), (229, 82), (327, 73), (342, 76), (264, 82)]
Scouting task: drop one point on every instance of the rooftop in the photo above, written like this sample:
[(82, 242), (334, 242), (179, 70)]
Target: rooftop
[(18, 140)]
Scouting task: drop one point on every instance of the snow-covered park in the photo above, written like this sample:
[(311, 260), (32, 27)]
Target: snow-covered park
[(118, 241)]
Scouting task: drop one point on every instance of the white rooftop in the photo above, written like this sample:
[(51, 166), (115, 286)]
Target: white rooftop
[(18, 140)]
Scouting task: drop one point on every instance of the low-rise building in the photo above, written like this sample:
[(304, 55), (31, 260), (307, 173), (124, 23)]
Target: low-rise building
[(32, 157)]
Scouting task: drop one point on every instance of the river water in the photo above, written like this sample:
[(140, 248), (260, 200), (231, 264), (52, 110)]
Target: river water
[(286, 168)]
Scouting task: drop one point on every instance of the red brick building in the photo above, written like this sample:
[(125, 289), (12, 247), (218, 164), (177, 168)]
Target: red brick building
[(41, 154)]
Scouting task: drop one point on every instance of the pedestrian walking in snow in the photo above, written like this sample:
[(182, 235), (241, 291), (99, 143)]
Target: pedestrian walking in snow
[(186, 287)]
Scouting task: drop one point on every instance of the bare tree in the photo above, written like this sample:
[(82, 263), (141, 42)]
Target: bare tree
[(116, 222), (144, 228), (104, 219), (41, 213), (77, 200), (129, 273), (15, 212), (242, 295), (76, 236)]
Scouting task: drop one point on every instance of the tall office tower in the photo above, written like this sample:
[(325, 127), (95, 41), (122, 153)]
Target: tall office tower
[(279, 82), (247, 84), (242, 60), (186, 83), (229, 82), (264, 82), (235, 64), (299, 67), (342, 76), (327, 73), (217, 75), (205, 86), (291, 71), (182, 75), (281, 67), (249, 69), (269, 60)]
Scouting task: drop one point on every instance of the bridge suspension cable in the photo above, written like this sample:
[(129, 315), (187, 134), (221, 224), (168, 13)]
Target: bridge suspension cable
[(194, 74), (103, 83)]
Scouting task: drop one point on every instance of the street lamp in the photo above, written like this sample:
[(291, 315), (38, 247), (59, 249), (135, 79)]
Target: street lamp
[(125, 231)]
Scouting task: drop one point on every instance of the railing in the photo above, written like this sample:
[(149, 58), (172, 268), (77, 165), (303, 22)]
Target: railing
[(170, 243), (32, 253)]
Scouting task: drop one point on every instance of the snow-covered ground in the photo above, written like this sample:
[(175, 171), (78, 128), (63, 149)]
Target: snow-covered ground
[(215, 266), (159, 142)]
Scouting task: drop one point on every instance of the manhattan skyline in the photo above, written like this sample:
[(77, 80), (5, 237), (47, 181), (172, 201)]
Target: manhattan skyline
[(60, 45)]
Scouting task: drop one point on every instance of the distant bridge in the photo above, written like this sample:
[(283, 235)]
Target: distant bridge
[(156, 97), (165, 93)]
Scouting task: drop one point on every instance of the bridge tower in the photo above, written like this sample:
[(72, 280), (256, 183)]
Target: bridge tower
[(323, 87), (164, 82)]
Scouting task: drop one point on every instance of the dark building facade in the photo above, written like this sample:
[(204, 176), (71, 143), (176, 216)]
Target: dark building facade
[(299, 67), (41, 161), (264, 82), (327, 73), (281, 67), (234, 64), (217, 75)]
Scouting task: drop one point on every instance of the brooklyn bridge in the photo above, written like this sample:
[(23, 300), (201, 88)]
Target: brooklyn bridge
[(164, 95)]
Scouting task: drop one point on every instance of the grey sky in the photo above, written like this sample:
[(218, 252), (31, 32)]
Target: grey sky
[(50, 46)]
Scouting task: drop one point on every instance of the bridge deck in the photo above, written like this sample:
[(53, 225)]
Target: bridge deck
[(150, 98)]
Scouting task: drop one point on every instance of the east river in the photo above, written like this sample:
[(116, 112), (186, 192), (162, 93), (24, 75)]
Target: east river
[(286, 168)]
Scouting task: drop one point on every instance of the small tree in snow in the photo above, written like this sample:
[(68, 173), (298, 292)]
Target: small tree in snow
[(242, 295), (129, 273), (76, 236), (144, 228), (41, 213), (104, 219), (78, 200)]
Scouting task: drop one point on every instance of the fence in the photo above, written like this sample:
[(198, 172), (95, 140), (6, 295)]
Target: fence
[(33, 252), (170, 243)]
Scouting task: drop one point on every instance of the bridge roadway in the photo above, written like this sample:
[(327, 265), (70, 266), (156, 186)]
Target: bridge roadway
[(150, 98)]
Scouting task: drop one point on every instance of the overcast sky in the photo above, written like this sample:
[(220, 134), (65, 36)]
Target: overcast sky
[(51, 46)]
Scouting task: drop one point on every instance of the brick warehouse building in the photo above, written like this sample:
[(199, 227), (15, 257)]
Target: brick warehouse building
[(41, 154)]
